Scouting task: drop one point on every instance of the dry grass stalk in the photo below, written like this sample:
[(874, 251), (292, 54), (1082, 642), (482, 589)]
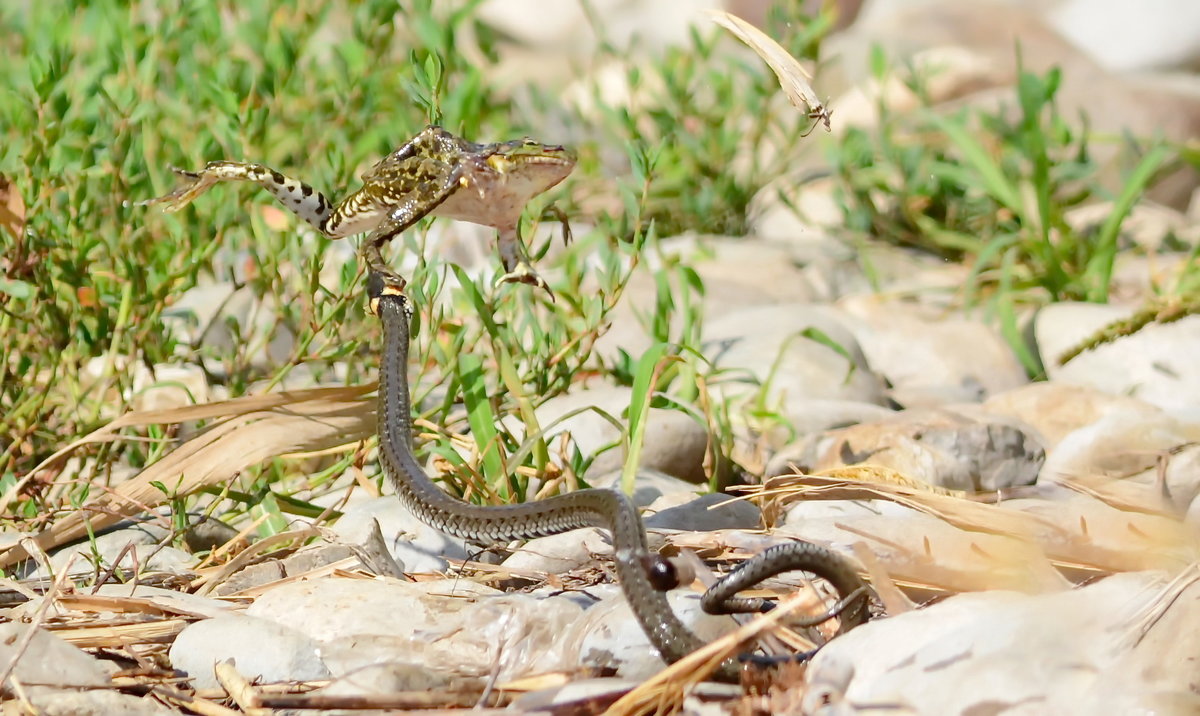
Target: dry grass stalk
[(1138, 532), (238, 688), (663, 693), (111, 636), (793, 78)]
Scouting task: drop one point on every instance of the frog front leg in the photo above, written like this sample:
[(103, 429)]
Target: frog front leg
[(409, 210)]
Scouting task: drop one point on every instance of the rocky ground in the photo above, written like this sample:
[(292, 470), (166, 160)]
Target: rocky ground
[(1072, 593)]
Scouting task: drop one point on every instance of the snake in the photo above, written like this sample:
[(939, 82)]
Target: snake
[(644, 576)]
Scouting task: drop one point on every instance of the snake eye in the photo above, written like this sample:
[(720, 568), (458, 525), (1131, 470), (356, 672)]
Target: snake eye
[(664, 574)]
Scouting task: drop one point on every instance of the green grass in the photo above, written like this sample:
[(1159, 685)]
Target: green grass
[(98, 107), (994, 192)]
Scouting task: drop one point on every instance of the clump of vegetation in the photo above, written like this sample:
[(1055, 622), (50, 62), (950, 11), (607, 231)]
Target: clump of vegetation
[(97, 109), (994, 192)]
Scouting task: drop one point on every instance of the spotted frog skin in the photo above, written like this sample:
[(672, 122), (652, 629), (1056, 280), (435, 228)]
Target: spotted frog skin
[(435, 173)]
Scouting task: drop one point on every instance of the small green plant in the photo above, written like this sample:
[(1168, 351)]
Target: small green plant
[(705, 114), (992, 191)]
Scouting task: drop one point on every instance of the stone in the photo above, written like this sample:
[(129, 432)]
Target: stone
[(956, 359), (707, 512), (648, 485), (451, 625), (1158, 34), (1153, 364), (261, 649), (1116, 105), (600, 690), (768, 346), (169, 386), (1147, 225), (95, 703), (922, 548), (674, 443), (944, 448), (787, 443), (1129, 447), (168, 598), (381, 677), (560, 553), (608, 635), (49, 659), (205, 534), (309, 558), (134, 545), (222, 316), (1075, 651), (1055, 409), (740, 271), (414, 544)]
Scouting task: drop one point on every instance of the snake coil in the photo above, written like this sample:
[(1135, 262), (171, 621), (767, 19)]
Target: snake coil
[(638, 569)]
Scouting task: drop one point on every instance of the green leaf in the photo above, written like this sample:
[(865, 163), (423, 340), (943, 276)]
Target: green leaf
[(645, 377), (482, 420), (1100, 266)]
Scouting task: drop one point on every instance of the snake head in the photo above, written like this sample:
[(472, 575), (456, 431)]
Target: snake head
[(381, 285), (667, 574)]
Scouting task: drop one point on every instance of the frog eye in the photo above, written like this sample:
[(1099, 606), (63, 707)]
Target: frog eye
[(528, 141)]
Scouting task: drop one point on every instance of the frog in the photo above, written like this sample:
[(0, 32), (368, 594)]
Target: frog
[(436, 173)]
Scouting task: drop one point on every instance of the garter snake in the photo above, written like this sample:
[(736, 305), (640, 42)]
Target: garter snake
[(643, 575)]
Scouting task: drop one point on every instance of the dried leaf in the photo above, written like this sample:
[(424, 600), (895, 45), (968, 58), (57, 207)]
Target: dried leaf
[(792, 76), (254, 429), (15, 262), (12, 209)]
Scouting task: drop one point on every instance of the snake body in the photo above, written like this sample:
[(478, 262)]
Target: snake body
[(596, 507)]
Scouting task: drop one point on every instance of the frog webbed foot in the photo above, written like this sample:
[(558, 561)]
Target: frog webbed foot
[(554, 213), (195, 184), (524, 273)]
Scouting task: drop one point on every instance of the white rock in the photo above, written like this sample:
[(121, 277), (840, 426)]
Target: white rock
[(49, 659), (223, 316), (560, 553), (944, 448), (1054, 409), (170, 386), (768, 344), (926, 549), (567, 28), (261, 649), (1131, 36), (414, 544), (134, 545), (382, 677), (95, 702), (168, 598), (1050, 653), (451, 625), (583, 690), (1122, 445), (648, 485), (675, 443), (955, 359), (608, 635), (1155, 364)]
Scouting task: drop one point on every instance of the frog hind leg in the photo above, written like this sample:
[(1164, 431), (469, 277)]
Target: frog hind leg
[(516, 264), (296, 196), (411, 209)]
